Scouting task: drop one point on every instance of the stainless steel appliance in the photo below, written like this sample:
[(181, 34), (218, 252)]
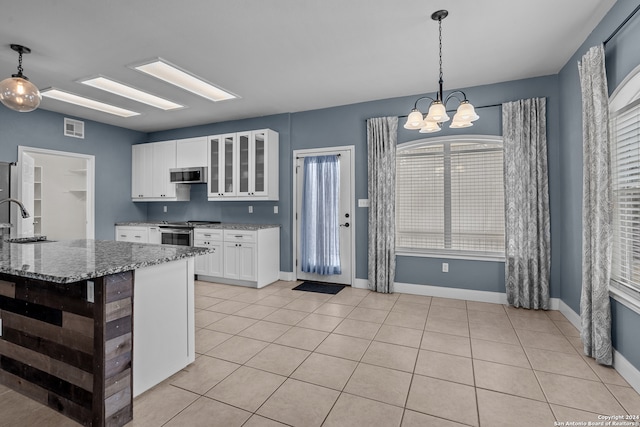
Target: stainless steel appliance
[(196, 175), (180, 233)]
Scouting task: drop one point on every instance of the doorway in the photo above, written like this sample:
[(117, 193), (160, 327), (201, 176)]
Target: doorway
[(346, 210), (57, 188)]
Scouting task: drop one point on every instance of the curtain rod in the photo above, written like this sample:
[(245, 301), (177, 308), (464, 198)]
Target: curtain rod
[(302, 157), (617, 30)]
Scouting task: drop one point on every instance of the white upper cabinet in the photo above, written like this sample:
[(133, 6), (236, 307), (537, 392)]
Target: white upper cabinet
[(150, 173), (244, 166), (191, 152)]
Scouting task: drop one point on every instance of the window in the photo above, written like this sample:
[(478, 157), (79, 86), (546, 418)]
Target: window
[(625, 179), (450, 197)]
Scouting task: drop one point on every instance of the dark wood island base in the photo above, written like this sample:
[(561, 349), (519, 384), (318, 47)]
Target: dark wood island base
[(67, 352)]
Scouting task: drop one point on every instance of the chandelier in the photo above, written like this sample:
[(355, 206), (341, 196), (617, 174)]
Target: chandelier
[(437, 113), (17, 92)]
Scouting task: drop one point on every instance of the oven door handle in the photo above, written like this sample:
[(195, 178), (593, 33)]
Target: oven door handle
[(174, 231)]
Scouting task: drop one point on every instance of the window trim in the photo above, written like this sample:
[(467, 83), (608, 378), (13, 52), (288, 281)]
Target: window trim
[(450, 253), (624, 97)]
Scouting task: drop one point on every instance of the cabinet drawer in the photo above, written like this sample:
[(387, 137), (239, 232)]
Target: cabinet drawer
[(132, 234), (207, 234), (240, 236)]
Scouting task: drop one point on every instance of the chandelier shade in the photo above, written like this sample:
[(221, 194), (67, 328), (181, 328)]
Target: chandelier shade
[(430, 127), (17, 92), (437, 113)]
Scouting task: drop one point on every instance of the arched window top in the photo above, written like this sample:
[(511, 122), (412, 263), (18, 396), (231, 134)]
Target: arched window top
[(452, 139), (627, 92)]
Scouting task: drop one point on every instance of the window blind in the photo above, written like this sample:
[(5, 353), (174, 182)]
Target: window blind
[(625, 159), (450, 198)]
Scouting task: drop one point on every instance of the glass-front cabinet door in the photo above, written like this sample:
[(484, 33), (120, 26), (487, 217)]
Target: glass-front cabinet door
[(214, 182), (227, 164), (244, 159), (259, 165), (222, 149)]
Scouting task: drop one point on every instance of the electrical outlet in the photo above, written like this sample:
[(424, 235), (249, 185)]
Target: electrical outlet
[(165, 209), (363, 203), (275, 209), (250, 209), (445, 267)]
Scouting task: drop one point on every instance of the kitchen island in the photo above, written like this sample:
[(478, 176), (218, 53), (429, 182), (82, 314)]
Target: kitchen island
[(87, 325)]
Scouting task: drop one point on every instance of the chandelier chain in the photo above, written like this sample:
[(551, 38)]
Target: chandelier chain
[(20, 69)]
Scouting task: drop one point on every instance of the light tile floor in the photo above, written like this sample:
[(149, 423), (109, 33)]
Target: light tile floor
[(274, 356)]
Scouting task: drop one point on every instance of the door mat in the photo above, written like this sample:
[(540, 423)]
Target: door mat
[(322, 288)]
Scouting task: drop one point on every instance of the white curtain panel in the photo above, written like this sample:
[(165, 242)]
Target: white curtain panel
[(320, 228), (382, 136), (527, 230), (595, 311)]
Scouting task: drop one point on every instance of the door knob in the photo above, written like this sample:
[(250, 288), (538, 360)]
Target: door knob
[(346, 224)]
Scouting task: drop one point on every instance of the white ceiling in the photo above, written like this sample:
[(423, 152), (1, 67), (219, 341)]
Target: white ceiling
[(286, 55)]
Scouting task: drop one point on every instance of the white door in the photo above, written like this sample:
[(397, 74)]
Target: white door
[(346, 217)]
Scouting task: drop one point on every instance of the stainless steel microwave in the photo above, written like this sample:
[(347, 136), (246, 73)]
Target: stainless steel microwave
[(188, 175)]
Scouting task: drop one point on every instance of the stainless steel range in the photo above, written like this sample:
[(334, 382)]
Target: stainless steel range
[(180, 232)]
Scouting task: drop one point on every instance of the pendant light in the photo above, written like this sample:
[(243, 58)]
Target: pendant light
[(437, 113), (17, 92)]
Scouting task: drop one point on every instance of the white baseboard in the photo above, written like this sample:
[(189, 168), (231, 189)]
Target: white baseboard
[(288, 276), (629, 372), (360, 283), (454, 293), (571, 315)]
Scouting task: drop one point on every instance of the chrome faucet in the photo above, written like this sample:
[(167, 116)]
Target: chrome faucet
[(23, 211)]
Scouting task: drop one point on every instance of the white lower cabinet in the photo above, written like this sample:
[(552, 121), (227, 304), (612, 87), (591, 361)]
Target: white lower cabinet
[(240, 261), (241, 257), (211, 263)]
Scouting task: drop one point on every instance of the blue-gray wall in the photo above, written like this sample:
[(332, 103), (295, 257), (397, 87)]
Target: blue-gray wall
[(110, 145), (346, 125), (622, 56)]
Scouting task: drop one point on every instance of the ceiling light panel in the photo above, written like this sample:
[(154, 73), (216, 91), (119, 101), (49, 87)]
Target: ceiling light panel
[(120, 89), (87, 103), (171, 74)]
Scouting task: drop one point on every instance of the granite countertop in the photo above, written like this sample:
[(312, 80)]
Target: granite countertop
[(227, 226), (75, 260)]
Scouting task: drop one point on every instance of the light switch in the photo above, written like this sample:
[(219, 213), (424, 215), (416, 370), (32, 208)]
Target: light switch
[(275, 209), (250, 209), (165, 208), (445, 267)]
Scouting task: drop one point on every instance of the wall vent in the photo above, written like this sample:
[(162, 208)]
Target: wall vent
[(73, 128)]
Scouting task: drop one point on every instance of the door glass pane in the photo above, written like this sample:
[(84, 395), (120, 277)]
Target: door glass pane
[(244, 163), (259, 163), (228, 164), (214, 166)]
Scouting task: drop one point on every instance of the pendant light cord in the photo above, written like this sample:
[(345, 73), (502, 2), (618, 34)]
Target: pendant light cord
[(440, 81)]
